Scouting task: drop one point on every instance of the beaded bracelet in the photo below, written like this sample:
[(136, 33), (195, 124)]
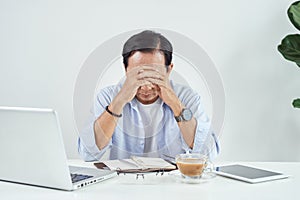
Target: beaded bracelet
[(113, 114)]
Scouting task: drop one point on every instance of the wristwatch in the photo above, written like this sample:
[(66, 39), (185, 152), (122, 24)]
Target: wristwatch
[(185, 115)]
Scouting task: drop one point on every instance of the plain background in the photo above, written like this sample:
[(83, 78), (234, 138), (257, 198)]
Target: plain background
[(43, 45)]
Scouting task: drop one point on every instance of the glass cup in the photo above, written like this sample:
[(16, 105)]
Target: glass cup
[(193, 166)]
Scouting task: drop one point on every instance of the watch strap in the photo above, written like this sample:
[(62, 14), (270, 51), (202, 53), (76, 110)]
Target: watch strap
[(178, 118)]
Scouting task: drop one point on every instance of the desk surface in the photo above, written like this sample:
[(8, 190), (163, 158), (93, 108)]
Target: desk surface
[(166, 187)]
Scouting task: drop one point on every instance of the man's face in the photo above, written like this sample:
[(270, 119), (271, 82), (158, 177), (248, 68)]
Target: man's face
[(146, 94)]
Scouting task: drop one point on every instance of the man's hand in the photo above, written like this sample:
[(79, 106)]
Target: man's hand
[(160, 77), (135, 78)]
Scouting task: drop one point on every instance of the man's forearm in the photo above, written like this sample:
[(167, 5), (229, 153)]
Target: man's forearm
[(188, 130), (105, 125)]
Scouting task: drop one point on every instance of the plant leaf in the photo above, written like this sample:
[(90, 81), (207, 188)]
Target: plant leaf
[(290, 48), (294, 14), (296, 103)]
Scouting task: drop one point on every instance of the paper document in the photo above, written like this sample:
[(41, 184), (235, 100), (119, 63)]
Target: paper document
[(136, 164)]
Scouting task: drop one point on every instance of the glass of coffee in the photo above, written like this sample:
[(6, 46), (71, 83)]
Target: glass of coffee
[(192, 166)]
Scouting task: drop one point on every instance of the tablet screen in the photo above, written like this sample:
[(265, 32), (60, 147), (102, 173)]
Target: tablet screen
[(247, 172)]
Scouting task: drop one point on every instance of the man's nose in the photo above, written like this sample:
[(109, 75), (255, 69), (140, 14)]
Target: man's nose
[(147, 87)]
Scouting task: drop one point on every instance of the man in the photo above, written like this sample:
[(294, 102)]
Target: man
[(147, 114)]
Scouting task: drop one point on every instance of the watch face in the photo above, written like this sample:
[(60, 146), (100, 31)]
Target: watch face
[(187, 114)]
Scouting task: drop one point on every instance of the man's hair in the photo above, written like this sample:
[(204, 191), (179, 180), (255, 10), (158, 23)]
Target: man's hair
[(147, 42)]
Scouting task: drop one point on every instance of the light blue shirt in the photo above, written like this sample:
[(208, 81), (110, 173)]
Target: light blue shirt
[(129, 135)]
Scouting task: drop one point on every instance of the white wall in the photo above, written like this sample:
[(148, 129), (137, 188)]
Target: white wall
[(44, 43)]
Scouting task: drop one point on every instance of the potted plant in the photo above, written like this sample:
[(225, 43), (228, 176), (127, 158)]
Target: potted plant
[(290, 45)]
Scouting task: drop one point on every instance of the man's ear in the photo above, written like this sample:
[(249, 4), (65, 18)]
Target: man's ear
[(170, 67)]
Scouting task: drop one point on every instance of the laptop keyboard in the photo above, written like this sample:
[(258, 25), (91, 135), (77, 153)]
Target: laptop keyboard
[(79, 177)]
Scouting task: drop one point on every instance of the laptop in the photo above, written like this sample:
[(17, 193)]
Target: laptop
[(32, 151)]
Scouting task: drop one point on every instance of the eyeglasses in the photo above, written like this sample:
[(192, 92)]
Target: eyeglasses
[(142, 175), (144, 178)]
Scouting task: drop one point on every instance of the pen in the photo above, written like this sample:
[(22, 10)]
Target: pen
[(170, 159), (168, 156)]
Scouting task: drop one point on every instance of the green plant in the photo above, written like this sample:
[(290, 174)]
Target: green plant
[(290, 45)]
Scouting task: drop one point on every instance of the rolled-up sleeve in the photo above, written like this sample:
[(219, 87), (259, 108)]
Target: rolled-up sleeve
[(87, 148), (205, 141)]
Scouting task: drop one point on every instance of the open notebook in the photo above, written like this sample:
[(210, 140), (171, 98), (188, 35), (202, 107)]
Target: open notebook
[(137, 164)]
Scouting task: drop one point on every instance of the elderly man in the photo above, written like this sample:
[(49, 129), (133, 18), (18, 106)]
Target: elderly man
[(147, 114)]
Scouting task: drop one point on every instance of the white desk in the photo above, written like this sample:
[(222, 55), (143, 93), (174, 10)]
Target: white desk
[(166, 188)]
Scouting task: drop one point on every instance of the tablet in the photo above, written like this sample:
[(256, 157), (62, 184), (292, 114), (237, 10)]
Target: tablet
[(248, 174)]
